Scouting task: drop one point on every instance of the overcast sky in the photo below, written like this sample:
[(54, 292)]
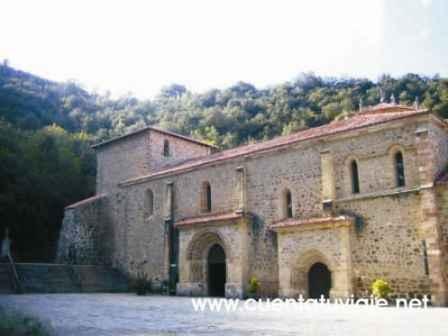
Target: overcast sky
[(139, 46)]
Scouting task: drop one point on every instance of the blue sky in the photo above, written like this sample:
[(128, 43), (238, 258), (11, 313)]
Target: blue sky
[(140, 46)]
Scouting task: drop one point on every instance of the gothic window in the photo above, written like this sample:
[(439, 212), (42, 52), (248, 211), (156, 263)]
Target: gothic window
[(149, 203), (166, 148), (287, 204), (355, 177), (206, 197), (399, 169)]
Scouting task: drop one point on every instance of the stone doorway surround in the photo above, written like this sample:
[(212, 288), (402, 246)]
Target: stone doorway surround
[(305, 242), (197, 236)]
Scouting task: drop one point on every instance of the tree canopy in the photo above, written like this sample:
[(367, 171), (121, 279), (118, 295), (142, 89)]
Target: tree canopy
[(46, 129)]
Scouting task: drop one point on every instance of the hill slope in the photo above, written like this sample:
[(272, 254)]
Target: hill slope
[(46, 129)]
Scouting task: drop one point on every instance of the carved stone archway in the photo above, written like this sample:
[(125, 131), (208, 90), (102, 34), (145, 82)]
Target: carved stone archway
[(299, 276), (297, 254), (196, 260), (340, 283), (197, 236)]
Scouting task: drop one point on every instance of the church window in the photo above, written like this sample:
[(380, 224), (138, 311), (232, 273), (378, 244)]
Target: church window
[(354, 176), (206, 197), (166, 148), (149, 203), (399, 169), (287, 204)]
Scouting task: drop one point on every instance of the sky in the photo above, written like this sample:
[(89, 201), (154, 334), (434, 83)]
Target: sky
[(132, 46)]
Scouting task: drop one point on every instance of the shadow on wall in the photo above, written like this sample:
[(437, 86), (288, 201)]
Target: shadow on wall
[(87, 234)]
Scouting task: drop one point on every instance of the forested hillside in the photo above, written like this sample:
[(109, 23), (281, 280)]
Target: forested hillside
[(46, 129)]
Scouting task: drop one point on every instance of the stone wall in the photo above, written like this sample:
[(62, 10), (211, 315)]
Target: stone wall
[(140, 154), (63, 278), (376, 250), (385, 237), (180, 150), (442, 202), (431, 143), (86, 235), (386, 243), (373, 152), (145, 238), (140, 238), (439, 140), (122, 159), (296, 169)]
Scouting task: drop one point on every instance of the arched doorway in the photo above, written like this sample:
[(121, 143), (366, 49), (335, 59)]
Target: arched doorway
[(319, 281), (216, 262)]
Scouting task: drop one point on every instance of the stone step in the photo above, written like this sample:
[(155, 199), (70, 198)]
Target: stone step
[(46, 278), (101, 279), (59, 278), (6, 287)]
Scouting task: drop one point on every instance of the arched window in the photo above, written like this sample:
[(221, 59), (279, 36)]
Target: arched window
[(206, 197), (149, 203), (166, 148), (287, 204), (399, 169), (355, 177)]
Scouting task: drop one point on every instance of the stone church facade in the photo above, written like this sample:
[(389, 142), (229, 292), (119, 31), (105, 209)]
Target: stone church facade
[(323, 211)]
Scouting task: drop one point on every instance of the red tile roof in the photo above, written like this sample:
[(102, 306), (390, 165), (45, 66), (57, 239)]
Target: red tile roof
[(387, 107), (294, 222), (367, 117), (85, 201), (209, 218), (156, 129)]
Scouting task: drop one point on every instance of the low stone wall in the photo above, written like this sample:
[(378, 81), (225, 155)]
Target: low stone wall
[(61, 278), (86, 235)]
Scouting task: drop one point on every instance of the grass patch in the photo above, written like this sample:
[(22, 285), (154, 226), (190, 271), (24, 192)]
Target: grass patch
[(13, 323)]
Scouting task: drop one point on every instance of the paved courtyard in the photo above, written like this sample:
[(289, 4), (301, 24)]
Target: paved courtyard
[(127, 314)]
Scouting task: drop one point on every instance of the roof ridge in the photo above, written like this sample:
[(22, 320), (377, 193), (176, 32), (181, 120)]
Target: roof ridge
[(156, 129), (359, 120)]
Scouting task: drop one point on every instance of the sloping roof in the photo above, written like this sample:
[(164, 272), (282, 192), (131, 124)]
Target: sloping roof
[(367, 117), (209, 218), (85, 201), (295, 222), (156, 129), (387, 107)]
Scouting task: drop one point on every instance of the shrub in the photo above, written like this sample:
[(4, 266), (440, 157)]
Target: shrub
[(17, 324), (165, 288), (254, 285), (381, 289), (142, 285)]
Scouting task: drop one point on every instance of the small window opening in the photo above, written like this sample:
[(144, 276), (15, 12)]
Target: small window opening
[(166, 148), (355, 177)]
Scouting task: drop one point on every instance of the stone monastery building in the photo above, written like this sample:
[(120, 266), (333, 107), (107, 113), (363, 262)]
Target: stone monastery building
[(324, 211)]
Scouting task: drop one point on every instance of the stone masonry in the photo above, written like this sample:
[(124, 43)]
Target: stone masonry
[(362, 198)]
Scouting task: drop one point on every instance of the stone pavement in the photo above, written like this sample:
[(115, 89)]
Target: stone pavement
[(128, 314)]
